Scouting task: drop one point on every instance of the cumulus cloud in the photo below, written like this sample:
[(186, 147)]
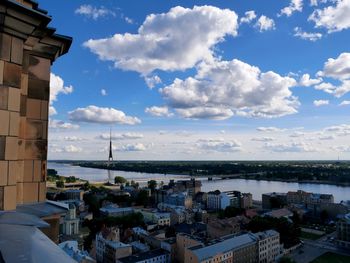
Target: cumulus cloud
[(294, 6), (306, 81), (334, 17), (138, 147), (339, 70), (248, 17), (341, 130), (58, 124), (264, 24), (94, 114), (176, 40), (159, 111), (319, 103), (224, 88), (345, 103), (66, 149), (298, 32), (219, 145), (121, 136), (263, 139), (94, 12), (103, 92), (270, 129), (293, 147), (57, 87), (327, 137), (152, 81)]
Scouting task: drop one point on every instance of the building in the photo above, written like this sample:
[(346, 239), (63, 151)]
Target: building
[(154, 217), (278, 213), (246, 200), (184, 241), (268, 246), (217, 200), (179, 199), (115, 211), (70, 225), (72, 250), (343, 231), (154, 256), (192, 187), (240, 200), (222, 227), (306, 198), (73, 194), (274, 200), (108, 246), (242, 249), (28, 48)]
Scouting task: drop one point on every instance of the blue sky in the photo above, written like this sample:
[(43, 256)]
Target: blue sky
[(202, 79)]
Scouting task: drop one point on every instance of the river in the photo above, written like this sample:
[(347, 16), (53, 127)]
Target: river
[(257, 188)]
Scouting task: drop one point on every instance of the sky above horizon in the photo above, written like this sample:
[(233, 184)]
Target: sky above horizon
[(194, 80)]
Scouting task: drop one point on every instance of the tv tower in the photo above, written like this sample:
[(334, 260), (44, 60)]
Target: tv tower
[(110, 156)]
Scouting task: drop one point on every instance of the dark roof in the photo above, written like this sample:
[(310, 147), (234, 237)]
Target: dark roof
[(144, 256), (42, 209)]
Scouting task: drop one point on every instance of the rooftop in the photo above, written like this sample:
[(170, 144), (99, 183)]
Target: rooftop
[(226, 244), (144, 256)]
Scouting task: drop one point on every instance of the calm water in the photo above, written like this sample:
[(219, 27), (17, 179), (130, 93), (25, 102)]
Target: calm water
[(257, 188)]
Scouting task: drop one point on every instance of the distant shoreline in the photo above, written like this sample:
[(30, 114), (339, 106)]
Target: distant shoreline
[(232, 176)]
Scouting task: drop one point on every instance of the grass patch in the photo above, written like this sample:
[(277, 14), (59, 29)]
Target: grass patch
[(331, 257), (311, 236)]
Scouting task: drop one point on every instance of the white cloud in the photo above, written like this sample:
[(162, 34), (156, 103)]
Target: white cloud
[(319, 103), (264, 23), (176, 40), (313, 2), (294, 6), (224, 88), (327, 137), (345, 103), (333, 18), (306, 81), (72, 149), (58, 124), (338, 68), (298, 32), (270, 129), (219, 145), (121, 136), (94, 114), (103, 92), (94, 12), (263, 139), (57, 87), (152, 81), (341, 130), (159, 111), (249, 16), (290, 147), (72, 138), (138, 147)]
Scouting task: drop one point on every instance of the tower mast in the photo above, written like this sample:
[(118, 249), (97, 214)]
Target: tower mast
[(110, 157)]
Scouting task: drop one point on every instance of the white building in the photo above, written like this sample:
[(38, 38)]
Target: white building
[(72, 250), (268, 246), (108, 246), (70, 225), (152, 216), (217, 200)]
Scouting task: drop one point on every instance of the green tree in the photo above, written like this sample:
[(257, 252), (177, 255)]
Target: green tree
[(119, 180), (152, 184), (60, 184)]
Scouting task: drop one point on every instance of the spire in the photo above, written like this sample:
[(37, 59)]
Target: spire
[(110, 157)]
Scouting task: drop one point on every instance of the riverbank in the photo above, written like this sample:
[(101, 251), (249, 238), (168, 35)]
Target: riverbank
[(260, 177)]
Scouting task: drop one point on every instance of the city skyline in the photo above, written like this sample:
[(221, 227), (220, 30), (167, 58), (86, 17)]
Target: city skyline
[(196, 80)]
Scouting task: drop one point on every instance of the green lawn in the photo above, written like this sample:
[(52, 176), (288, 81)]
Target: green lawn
[(330, 257), (306, 235)]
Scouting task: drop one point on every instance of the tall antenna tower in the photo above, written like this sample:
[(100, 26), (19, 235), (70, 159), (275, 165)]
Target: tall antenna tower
[(110, 156)]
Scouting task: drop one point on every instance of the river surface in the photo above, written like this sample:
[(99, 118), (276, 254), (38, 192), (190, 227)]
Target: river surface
[(257, 188)]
